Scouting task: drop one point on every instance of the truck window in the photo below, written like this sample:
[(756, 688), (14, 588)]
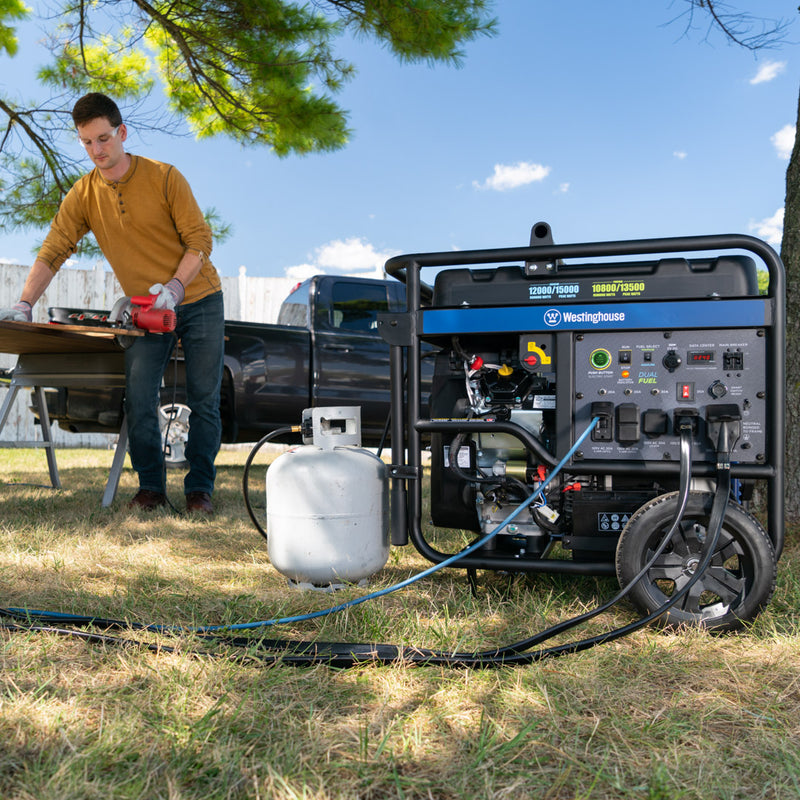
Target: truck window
[(294, 310), (355, 306)]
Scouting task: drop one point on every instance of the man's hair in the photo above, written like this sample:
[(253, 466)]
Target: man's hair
[(93, 106)]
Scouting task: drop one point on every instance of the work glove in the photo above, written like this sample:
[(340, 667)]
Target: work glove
[(169, 294), (19, 312)]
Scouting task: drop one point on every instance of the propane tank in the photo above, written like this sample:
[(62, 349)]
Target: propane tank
[(328, 504)]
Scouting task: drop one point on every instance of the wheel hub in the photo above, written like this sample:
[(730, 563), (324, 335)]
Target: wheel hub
[(690, 565)]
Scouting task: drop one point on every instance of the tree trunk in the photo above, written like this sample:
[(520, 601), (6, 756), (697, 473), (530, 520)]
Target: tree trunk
[(790, 254)]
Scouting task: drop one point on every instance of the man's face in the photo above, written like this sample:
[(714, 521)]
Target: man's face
[(103, 143)]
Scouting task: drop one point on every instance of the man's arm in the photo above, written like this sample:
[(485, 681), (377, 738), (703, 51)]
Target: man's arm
[(37, 281), (189, 267)]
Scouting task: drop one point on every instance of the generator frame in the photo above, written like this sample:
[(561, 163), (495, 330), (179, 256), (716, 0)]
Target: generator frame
[(405, 333)]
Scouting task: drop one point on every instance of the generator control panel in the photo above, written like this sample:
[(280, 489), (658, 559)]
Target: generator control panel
[(643, 385)]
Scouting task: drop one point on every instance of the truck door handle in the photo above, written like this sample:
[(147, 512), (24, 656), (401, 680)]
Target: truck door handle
[(339, 348)]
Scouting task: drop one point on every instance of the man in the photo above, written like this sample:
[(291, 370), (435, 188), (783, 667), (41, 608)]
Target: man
[(153, 234)]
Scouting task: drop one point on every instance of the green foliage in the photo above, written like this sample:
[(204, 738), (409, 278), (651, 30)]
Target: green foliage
[(763, 281), (262, 72), (10, 10), (265, 84), (106, 66), (419, 29), (220, 230), (37, 191)]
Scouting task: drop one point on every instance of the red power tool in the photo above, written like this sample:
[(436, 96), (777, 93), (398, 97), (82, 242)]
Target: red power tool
[(138, 312), (153, 320)]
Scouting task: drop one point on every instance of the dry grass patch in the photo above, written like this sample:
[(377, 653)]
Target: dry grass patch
[(656, 715)]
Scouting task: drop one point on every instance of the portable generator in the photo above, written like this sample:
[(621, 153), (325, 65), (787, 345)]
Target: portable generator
[(663, 347)]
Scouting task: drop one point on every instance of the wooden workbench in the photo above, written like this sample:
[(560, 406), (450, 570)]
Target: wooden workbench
[(21, 338), (55, 355)]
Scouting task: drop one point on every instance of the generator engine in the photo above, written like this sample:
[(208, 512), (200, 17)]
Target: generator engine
[(477, 478), (672, 365)]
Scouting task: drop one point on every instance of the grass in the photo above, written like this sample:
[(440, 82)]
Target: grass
[(656, 715)]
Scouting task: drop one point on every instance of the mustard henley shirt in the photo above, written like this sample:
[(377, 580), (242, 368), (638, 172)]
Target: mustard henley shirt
[(144, 224)]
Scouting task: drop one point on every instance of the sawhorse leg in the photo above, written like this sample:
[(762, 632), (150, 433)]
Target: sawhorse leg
[(47, 437), (44, 418), (116, 465)]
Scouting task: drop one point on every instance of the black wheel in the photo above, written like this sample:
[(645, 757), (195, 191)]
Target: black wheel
[(734, 588), (173, 419)]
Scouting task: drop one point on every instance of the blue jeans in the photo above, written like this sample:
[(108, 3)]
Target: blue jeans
[(201, 329)]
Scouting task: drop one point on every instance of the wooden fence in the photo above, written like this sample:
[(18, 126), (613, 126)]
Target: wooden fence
[(250, 299)]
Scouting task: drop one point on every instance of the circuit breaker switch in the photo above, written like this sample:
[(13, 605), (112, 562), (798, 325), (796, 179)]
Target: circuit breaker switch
[(628, 427), (685, 392)]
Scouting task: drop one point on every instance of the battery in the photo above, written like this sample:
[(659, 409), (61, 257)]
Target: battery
[(598, 519)]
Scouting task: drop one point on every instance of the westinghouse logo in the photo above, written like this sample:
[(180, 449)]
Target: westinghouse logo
[(554, 317)]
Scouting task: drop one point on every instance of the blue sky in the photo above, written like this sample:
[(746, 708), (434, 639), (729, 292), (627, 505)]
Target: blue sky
[(607, 119)]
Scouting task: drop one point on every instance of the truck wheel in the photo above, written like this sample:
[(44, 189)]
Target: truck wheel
[(734, 588), (173, 419)]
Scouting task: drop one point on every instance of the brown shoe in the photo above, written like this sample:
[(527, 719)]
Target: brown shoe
[(147, 500), (199, 502)]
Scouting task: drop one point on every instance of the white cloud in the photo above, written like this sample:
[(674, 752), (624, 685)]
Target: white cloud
[(680, 155), (512, 176), (352, 256), (301, 272), (770, 229), (783, 141), (768, 71)]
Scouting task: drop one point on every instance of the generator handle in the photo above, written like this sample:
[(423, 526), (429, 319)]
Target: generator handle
[(407, 265)]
